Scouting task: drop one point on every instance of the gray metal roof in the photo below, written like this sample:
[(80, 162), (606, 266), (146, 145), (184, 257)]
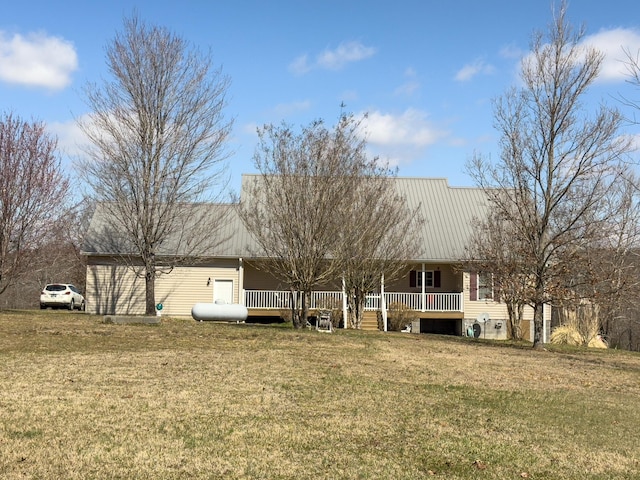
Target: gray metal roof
[(104, 235), (448, 213)]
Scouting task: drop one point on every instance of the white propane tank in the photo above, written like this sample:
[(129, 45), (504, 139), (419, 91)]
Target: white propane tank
[(221, 311)]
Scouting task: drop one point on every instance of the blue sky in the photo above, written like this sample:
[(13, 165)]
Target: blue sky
[(424, 71)]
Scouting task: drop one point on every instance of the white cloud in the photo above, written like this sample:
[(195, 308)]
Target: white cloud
[(511, 51), (478, 66), (400, 138), (612, 43), (37, 60), (71, 139), (300, 65), (345, 53), (336, 59), (635, 143)]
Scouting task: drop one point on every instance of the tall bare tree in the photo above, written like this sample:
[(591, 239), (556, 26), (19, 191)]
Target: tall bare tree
[(308, 201), (291, 207), (33, 195), (496, 247), (380, 235), (157, 135), (557, 162)]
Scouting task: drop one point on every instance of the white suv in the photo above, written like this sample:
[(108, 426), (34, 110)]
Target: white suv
[(56, 295)]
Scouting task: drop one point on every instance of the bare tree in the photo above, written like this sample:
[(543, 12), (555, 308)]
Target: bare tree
[(380, 235), (33, 195), (614, 265), (297, 208), (157, 135), (496, 247), (632, 65), (557, 162)]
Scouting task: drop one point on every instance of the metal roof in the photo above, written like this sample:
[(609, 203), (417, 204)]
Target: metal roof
[(104, 235), (448, 214)]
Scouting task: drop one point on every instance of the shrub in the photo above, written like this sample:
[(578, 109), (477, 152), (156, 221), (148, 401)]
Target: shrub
[(399, 316)]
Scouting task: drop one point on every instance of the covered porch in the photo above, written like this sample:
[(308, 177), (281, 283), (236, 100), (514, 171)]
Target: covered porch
[(433, 291), (271, 303)]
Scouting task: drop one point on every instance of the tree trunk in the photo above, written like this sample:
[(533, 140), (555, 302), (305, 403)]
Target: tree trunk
[(306, 301), (511, 322), (538, 325), (150, 289), (357, 309), (518, 325), (514, 330), (295, 310), (300, 311)]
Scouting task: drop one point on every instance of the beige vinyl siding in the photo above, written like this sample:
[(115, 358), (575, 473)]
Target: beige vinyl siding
[(113, 289), (497, 311), (185, 286)]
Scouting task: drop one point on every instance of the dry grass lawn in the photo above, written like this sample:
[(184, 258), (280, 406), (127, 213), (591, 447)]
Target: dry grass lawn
[(80, 399)]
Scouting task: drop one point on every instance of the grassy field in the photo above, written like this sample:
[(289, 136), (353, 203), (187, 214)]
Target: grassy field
[(80, 399)]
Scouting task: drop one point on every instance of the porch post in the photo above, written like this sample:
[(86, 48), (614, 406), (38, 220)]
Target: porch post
[(344, 304), (383, 304), (241, 299), (423, 298), (544, 323)]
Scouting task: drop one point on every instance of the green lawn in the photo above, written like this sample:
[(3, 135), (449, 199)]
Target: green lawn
[(80, 399)]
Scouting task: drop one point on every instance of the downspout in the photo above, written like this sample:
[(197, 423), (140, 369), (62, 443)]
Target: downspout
[(383, 304)]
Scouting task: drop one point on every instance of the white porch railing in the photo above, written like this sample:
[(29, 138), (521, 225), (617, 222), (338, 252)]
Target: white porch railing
[(267, 299), (326, 300), (281, 299), (429, 302)]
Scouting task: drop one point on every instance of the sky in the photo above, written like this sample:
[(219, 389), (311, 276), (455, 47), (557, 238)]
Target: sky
[(424, 72)]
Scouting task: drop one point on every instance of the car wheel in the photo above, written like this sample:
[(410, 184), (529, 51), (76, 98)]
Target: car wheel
[(83, 306), (72, 304), (43, 307)]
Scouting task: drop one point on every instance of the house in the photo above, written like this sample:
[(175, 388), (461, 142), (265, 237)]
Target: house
[(442, 297)]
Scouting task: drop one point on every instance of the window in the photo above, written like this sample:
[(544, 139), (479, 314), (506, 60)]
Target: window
[(431, 278), (481, 286), (485, 286), (428, 279)]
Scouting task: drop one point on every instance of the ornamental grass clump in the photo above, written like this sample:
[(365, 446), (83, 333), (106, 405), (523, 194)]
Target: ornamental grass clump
[(580, 326)]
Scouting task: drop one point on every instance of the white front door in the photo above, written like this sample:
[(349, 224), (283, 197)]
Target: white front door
[(223, 291)]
